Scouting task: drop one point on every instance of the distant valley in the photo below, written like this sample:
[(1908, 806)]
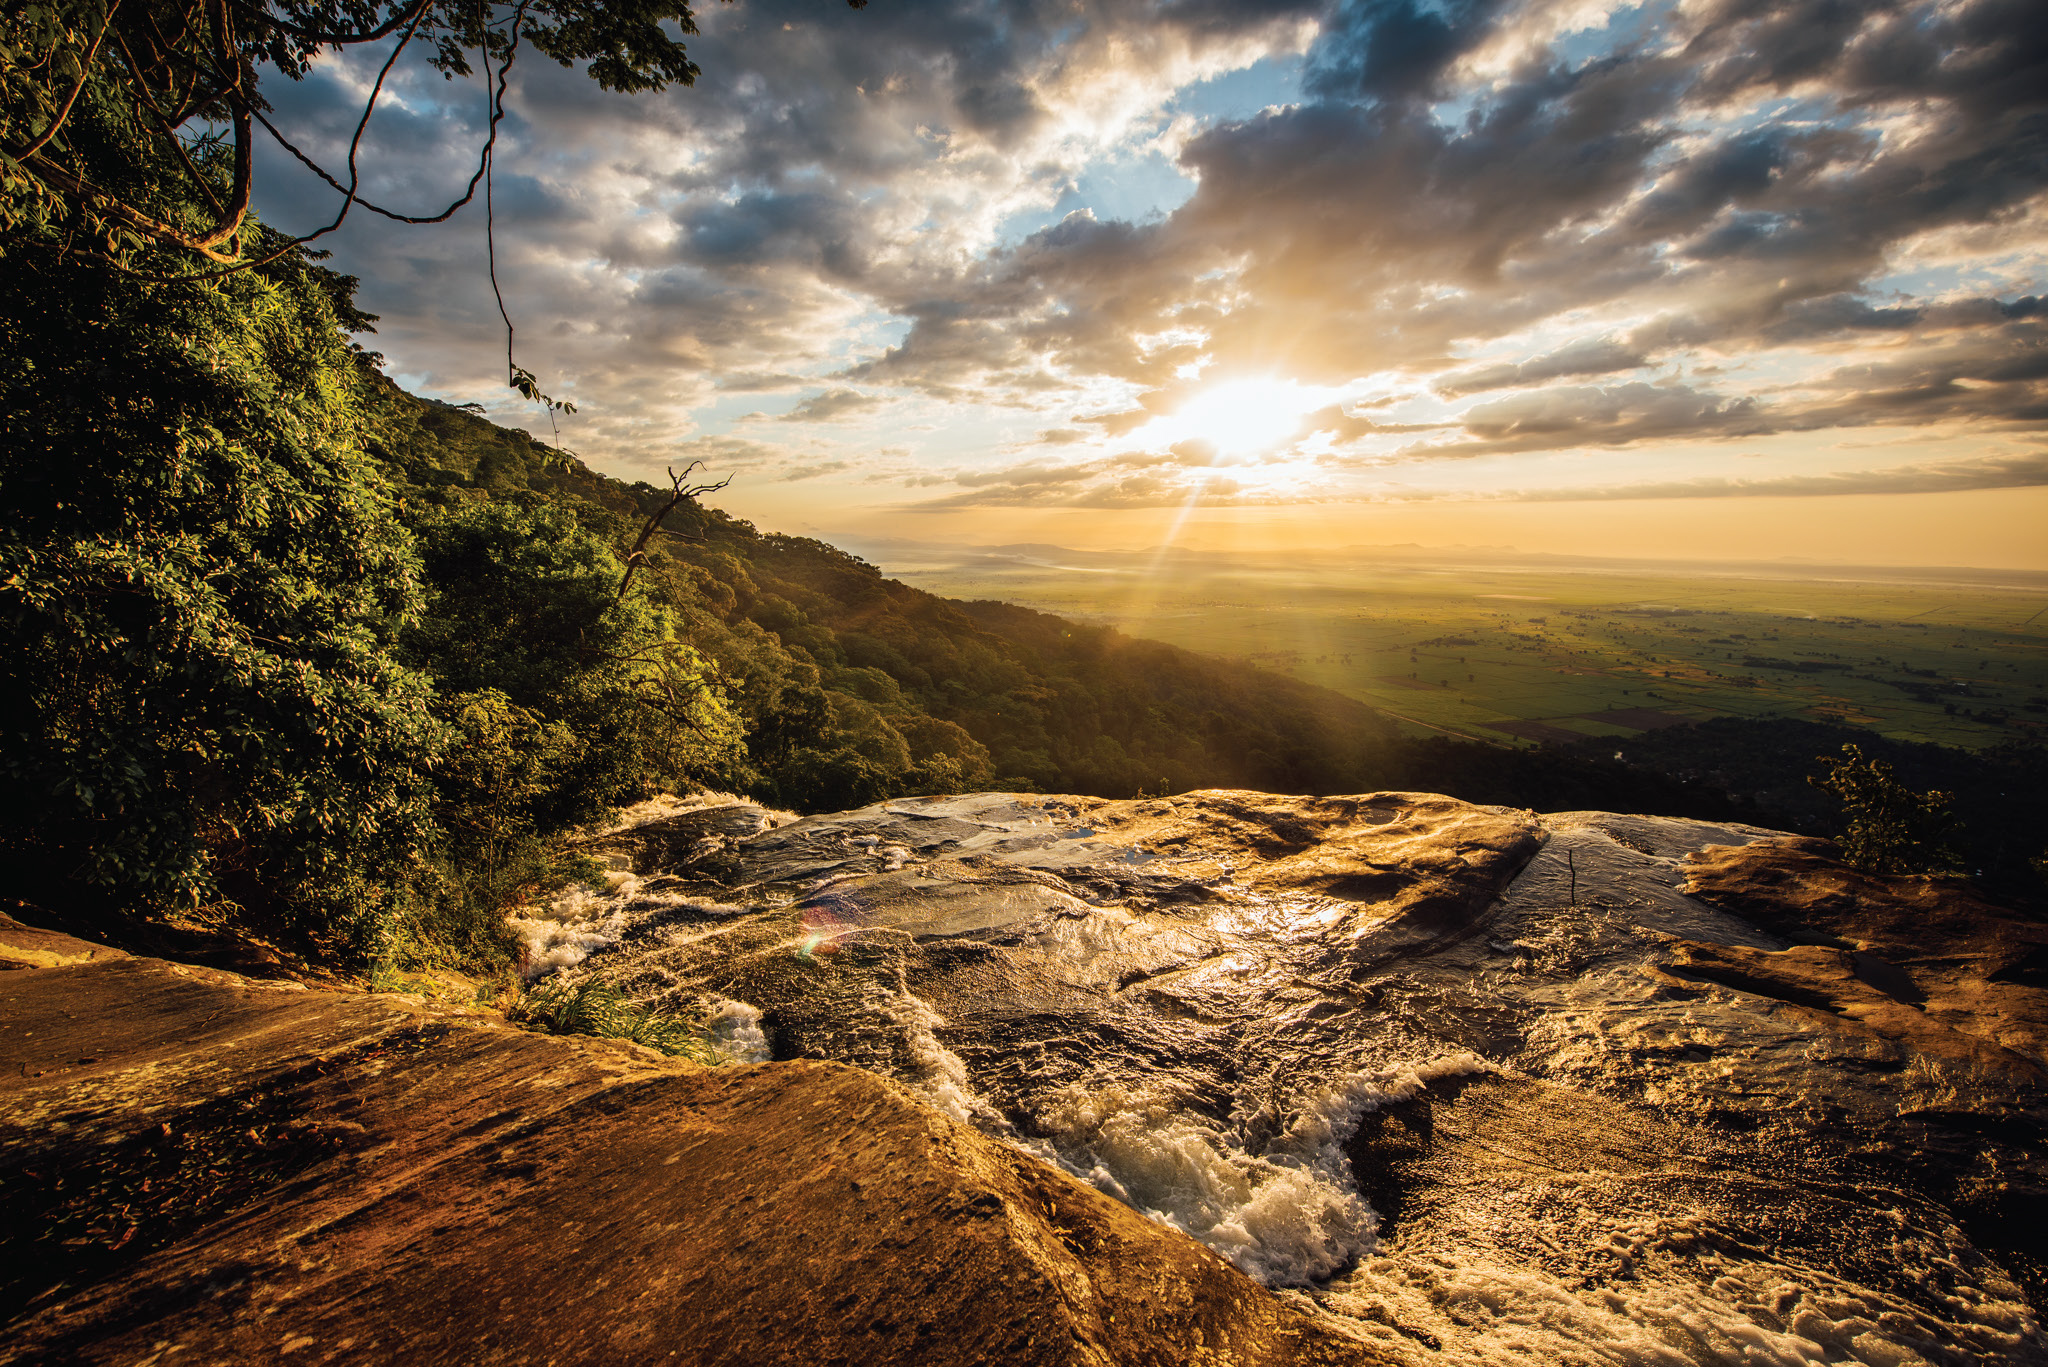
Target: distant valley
[(1512, 649)]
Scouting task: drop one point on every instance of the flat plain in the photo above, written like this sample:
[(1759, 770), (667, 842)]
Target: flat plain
[(1522, 649)]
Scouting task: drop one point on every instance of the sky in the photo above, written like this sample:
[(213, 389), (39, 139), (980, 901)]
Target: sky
[(1706, 278)]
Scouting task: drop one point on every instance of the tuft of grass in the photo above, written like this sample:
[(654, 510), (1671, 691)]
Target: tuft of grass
[(600, 1009)]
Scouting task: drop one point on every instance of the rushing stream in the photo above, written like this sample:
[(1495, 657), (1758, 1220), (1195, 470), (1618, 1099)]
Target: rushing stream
[(1394, 1056)]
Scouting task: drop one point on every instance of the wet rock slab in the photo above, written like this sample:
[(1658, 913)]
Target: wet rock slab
[(201, 1168), (1757, 1110), (1533, 1219)]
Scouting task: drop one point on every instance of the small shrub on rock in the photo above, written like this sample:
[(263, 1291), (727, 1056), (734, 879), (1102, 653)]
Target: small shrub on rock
[(1890, 828)]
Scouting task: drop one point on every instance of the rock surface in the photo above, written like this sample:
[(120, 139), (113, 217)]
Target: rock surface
[(1459, 1085), (1482, 1085), (1920, 959), (205, 1168)]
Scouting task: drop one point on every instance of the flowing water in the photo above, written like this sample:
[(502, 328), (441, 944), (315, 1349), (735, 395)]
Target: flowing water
[(1396, 1057)]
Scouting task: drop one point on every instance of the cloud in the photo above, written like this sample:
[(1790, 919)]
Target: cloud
[(1613, 415), (1540, 228), (2023, 470), (1351, 426), (832, 405), (1137, 479), (1119, 423), (1356, 231), (1987, 376), (1397, 49), (804, 472), (760, 382), (1026, 476), (722, 453), (1594, 356)]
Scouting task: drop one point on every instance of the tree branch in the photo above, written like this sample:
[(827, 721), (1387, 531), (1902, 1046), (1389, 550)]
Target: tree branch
[(681, 494), (84, 70)]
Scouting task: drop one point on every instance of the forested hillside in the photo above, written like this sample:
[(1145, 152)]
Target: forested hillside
[(851, 686)]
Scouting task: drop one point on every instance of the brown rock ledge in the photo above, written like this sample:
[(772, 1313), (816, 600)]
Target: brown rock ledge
[(197, 1167), (1920, 960)]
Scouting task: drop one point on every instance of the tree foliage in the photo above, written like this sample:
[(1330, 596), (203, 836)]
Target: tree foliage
[(227, 680), (164, 67), (1888, 827), (524, 604), (200, 579)]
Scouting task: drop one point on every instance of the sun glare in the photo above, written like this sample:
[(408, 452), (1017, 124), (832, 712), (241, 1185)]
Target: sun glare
[(1238, 418)]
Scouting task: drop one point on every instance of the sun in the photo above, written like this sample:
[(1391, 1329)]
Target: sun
[(1238, 418)]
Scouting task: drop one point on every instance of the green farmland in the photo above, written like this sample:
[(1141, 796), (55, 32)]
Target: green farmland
[(1519, 652)]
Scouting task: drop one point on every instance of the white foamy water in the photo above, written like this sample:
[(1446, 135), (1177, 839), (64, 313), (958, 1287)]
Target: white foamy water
[(662, 806), (1291, 1216), (569, 927), (1287, 1215), (1484, 1313), (736, 1031), (939, 1073)]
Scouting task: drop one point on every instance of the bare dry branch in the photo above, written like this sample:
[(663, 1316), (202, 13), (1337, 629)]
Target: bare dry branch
[(682, 493)]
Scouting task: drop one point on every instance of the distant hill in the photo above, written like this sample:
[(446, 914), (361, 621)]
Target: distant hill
[(822, 655)]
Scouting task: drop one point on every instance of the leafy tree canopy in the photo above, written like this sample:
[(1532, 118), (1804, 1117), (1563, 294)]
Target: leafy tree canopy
[(224, 678), (182, 79), (200, 579)]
